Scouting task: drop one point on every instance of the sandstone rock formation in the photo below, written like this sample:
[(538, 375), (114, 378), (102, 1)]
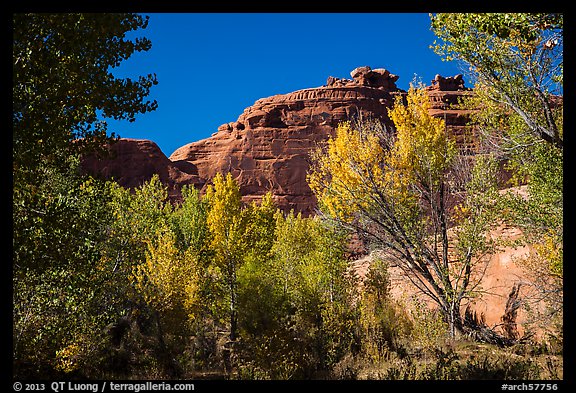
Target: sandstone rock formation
[(451, 83), (445, 94), (131, 162), (267, 148)]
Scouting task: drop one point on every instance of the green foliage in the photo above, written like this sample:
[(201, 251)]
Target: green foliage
[(61, 219), (188, 222), (541, 213), (475, 214), (57, 234), (138, 217), (62, 81), (517, 63), (384, 321), (512, 55), (297, 316)]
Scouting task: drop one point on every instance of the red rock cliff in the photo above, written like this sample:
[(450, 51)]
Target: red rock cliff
[(267, 148)]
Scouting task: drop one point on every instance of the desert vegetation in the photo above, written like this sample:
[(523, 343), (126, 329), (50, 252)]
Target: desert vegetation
[(112, 283)]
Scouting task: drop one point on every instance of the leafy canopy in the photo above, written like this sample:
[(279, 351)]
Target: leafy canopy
[(62, 81), (517, 63)]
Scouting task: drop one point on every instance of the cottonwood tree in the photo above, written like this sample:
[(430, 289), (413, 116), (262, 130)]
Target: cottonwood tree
[(516, 61), (298, 310), (169, 282), (61, 84), (227, 227), (62, 81), (241, 237), (400, 191)]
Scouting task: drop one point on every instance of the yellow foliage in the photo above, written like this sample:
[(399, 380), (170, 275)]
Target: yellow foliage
[(423, 149), (224, 215), (551, 251), (357, 172), (461, 212), (344, 176), (168, 280), (66, 358)]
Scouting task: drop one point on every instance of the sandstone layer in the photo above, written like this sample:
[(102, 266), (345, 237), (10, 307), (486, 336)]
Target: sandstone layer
[(267, 148)]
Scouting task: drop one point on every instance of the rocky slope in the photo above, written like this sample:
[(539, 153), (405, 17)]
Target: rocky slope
[(267, 148)]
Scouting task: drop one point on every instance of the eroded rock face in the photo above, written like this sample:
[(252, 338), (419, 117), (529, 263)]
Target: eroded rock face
[(451, 83), (131, 162), (267, 148), (445, 95)]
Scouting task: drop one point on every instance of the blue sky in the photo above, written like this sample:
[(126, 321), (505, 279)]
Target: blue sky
[(212, 66)]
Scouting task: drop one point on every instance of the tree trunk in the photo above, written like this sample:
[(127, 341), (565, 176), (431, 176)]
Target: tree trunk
[(233, 312), (233, 324), (510, 313), (454, 319), (170, 367)]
